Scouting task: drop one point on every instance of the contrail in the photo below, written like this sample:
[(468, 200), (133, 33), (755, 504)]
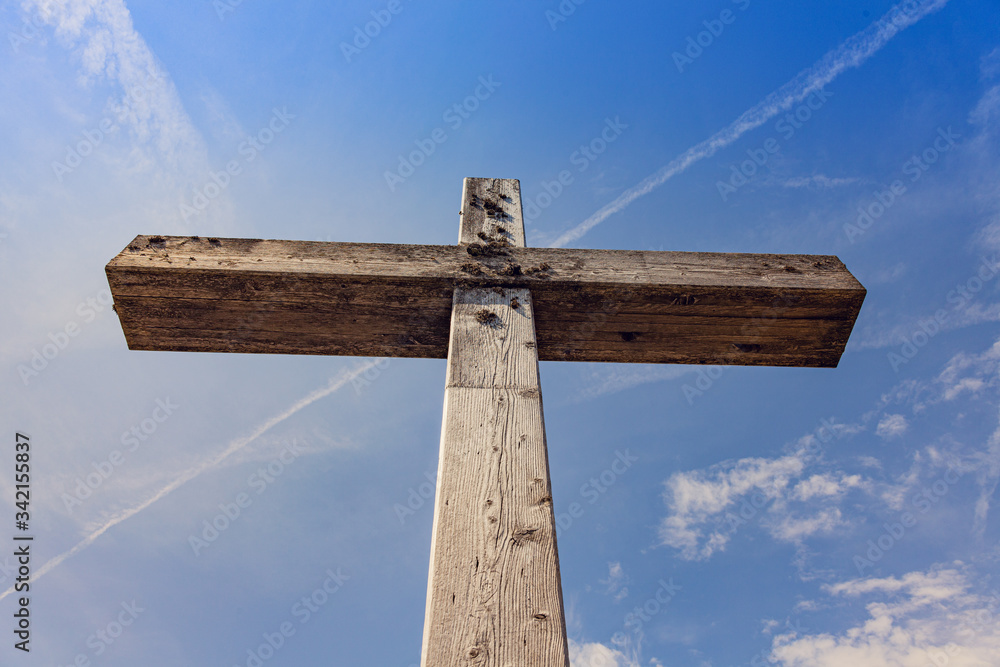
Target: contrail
[(852, 53), (235, 446)]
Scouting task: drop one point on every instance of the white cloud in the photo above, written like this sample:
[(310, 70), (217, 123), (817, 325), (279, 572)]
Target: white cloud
[(597, 655), (922, 618), (891, 426), (794, 529), (707, 507), (824, 485), (870, 462), (696, 498)]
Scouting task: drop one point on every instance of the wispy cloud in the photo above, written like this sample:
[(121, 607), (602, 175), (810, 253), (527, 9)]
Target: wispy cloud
[(699, 499), (196, 471), (614, 380), (891, 426), (617, 582), (816, 181), (852, 53), (920, 618), (102, 36)]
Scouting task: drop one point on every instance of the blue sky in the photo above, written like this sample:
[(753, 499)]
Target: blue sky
[(777, 516)]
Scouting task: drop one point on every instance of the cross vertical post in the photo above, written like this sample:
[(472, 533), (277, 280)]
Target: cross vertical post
[(494, 595)]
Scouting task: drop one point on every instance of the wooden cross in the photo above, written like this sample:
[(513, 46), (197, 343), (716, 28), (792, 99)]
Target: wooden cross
[(493, 307)]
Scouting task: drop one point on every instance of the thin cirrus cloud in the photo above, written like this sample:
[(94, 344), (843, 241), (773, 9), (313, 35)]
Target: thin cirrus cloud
[(852, 53), (102, 35)]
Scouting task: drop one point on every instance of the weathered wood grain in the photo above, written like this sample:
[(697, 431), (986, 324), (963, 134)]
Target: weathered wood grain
[(494, 595), (300, 297)]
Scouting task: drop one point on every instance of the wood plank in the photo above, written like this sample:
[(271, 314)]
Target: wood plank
[(588, 303), (494, 596)]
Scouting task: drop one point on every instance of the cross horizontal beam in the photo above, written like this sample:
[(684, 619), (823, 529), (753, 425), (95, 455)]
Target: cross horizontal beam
[(379, 300)]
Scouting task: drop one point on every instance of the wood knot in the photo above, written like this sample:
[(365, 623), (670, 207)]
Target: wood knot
[(215, 243), (746, 347), (488, 318), (493, 210), (628, 336), (522, 535), (510, 270), (474, 652), (541, 616), (472, 269), (534, 270), (515, 303), (491, 248)]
